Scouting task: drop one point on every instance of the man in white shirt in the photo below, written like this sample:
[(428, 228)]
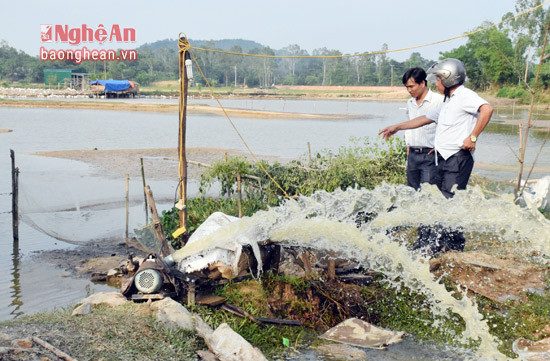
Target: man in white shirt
[(420, 141), (460, 120)]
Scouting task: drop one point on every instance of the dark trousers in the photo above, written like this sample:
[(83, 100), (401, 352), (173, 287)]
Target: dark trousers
[(454, 170), (421, 167)]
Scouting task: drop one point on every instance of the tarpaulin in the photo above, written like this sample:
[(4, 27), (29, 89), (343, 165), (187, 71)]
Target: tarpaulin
[(113, 85)]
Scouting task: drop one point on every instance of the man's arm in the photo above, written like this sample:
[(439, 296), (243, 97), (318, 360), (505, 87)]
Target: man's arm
[(410, 124), (485, 113)]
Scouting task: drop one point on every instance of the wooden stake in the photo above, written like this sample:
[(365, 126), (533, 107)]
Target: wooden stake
[(181, 144), (331, 269), (309, 152), (62, 355), (240, 196), (191, 294), (144, 194), (159, 231), (519, 188), (14, 199), (304, 256), (127, 207)]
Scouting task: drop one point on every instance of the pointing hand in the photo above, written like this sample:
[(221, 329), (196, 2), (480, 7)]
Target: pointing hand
[(388, 131)]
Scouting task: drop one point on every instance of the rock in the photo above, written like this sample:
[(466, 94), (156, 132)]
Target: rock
[(202, 327), (230, 346), (207, 355), (112, 299), (83, 309), (346, 352), (226, 344), (357, 332), (532, 350), (172, 314)]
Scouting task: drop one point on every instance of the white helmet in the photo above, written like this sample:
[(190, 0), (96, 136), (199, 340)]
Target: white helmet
[(451, 71)]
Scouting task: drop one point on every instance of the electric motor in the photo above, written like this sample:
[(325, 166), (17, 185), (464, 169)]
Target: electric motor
[(148, 281)]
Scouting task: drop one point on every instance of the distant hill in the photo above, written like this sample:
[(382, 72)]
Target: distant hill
[(223, 44)]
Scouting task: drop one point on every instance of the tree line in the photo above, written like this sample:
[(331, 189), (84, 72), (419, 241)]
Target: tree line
[(497, 57)]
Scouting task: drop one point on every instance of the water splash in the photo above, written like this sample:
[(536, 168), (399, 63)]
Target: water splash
[(327, 221)]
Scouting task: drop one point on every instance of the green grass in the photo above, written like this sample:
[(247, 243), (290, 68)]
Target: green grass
[(127, 332)]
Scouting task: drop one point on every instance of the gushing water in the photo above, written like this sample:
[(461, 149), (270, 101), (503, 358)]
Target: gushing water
[(327, 221)]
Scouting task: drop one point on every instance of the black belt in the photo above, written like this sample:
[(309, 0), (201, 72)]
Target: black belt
[(420, 149)]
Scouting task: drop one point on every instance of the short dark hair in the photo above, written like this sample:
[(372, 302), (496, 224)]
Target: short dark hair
[(418, 74)]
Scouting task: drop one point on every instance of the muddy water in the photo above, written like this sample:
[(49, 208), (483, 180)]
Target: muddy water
[(56, 184)]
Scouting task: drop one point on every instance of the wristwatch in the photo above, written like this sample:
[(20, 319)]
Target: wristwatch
[(473, 138)]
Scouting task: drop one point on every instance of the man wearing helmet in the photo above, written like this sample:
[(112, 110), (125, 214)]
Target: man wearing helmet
[(459, 122)]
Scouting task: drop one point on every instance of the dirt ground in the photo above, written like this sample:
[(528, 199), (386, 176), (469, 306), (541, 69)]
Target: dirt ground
[(161, 108), (74, 261), (158, 164)]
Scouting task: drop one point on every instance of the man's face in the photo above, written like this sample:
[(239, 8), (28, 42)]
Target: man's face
[(415, 89), (440, 87)]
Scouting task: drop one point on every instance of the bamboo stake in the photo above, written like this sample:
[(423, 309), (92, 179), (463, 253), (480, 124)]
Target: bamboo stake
[(14, 199), (144, 194), (331, 271), (240, 196), (309, 152), (127, 207), (533, 93), (181, 142), (164, 249)]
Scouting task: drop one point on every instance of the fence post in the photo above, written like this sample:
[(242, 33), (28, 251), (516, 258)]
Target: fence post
[(14, 198), (144, 193), (127, 207), (240, 195)]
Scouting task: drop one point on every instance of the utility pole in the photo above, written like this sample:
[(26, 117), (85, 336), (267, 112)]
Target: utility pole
[(235, 76), (391, 65)]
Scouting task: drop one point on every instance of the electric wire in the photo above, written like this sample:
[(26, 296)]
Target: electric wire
[(184, 46), (374, 52)]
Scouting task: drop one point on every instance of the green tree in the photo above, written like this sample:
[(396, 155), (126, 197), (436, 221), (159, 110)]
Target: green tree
[(528, 30), (488, 57), (383, 69), (417, 61)]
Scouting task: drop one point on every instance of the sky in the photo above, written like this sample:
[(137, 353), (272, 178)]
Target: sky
[(351, 26)]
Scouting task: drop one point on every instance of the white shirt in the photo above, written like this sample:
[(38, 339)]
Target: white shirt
[(455, 118), (423, 136)]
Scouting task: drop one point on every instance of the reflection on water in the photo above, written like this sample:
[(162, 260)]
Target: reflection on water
[(15, 292), (513, 129), (501, 128)]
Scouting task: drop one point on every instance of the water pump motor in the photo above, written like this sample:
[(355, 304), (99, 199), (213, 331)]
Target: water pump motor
[(148, 281)]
